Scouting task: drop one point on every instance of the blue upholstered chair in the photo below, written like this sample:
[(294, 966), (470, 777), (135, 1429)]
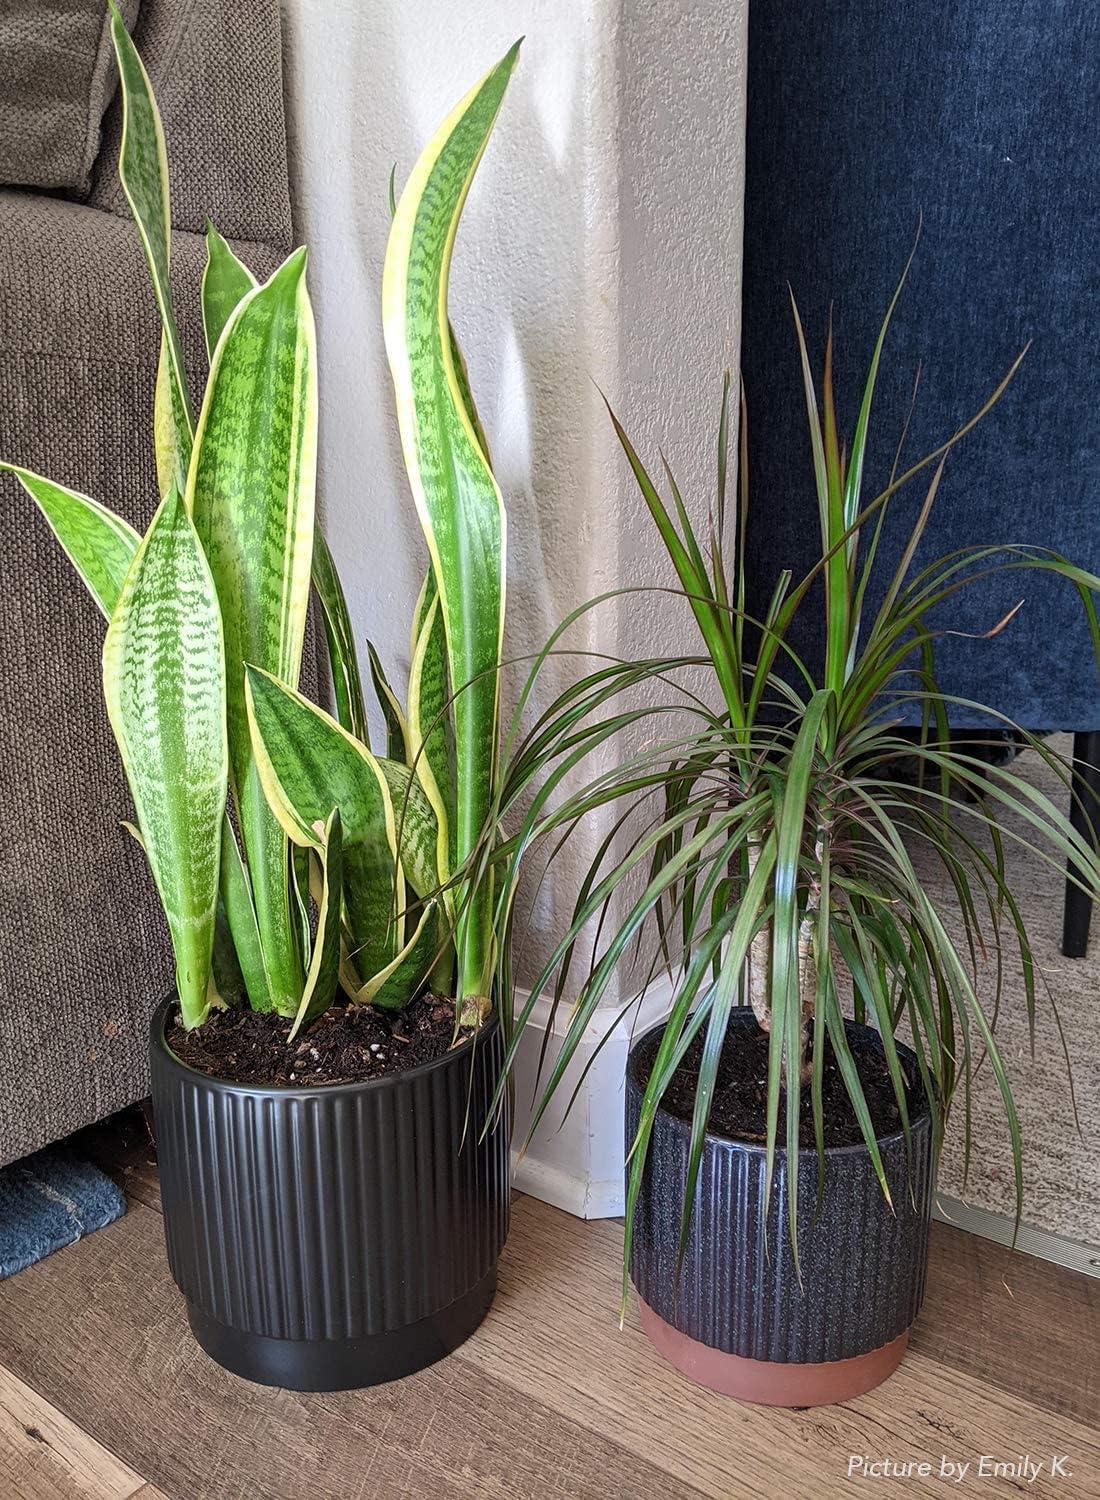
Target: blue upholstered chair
[(982, 117)]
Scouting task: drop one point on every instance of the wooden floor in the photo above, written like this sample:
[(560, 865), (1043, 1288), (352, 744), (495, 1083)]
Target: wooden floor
[(104, 1395)]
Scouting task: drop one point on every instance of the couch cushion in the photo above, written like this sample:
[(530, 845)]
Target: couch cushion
[(59, 77)]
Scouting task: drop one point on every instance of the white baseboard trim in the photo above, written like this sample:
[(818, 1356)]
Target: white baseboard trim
[(575, 1159), (577, 1195), (1073, 1254)]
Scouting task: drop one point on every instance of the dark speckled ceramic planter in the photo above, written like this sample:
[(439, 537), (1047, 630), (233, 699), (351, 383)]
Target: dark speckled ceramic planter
[(333, 1237), (737, 1319)]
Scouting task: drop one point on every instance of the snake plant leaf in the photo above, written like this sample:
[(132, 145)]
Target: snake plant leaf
[(397, 734), (251, 494), (235, 903), (226, 974), (324, 968), (227, 977), (462, 378), (225, 282), (403, 978), (308, 765), (430, 740), (164, 682), (100, 545), (428, 593), (143, 171), (417, 828), (347, 686), (300, 876), (166, 450), (456, 496)]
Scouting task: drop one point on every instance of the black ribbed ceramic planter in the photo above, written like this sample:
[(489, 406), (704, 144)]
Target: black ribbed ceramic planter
[(332, 1237), (737, 1319)]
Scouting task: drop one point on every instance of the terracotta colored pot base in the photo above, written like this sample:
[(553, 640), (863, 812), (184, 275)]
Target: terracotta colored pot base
[(769, 1382)]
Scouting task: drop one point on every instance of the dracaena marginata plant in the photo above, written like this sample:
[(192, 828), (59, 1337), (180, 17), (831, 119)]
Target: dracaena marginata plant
[(770, 841), (347, 873)]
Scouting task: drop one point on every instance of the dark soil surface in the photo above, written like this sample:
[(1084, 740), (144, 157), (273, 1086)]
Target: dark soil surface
[(739, 1109), (347, 1044)]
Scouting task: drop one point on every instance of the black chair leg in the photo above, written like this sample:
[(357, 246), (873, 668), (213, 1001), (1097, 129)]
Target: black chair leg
[(1085, 816)]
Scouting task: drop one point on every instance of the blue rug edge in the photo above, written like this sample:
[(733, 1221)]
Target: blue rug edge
[(48, 1200)]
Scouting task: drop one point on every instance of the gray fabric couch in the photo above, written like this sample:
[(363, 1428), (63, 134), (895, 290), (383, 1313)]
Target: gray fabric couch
[(83, 951)]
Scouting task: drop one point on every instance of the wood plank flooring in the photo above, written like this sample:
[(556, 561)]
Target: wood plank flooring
[(43, 1453), (105, 1396)]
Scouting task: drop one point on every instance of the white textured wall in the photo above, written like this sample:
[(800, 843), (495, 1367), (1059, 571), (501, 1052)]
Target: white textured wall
[(682, 104), (600, 247)]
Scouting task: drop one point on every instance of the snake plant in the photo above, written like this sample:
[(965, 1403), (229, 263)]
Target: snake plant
[(290, 859)]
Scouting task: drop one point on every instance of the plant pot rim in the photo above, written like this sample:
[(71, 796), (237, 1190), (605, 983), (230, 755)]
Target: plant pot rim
[(916, 1122), (308, 1091)]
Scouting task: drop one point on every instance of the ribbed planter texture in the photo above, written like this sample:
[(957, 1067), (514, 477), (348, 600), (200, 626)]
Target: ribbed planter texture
[(333, 1237), (736, 1319)]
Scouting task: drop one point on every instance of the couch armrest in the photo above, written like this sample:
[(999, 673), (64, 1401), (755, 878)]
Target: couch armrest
[(216, 69)]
